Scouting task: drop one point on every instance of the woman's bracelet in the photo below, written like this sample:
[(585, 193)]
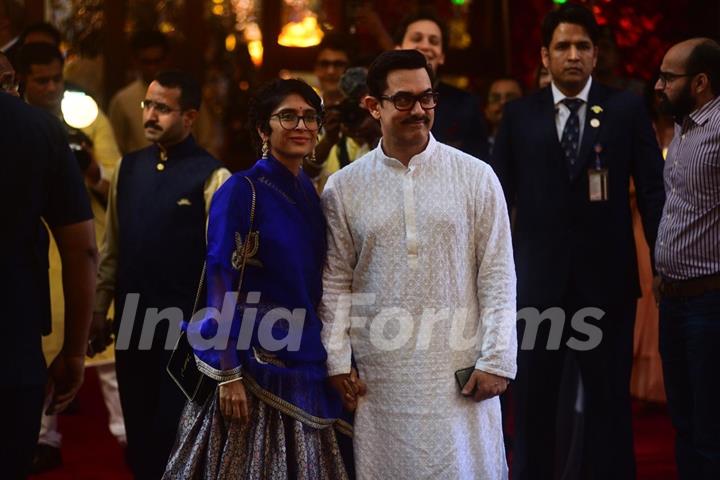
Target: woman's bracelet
[(229, 381)]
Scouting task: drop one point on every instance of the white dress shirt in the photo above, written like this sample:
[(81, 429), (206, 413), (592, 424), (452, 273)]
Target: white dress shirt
[(562, 112)]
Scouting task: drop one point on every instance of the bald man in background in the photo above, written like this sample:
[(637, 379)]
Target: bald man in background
[(687, 254)]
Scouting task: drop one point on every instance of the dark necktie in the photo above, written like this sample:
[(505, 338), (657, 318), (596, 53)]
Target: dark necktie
[(570, 141)]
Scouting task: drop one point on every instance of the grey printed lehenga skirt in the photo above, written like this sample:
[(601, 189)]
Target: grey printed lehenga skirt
[(271, 446)]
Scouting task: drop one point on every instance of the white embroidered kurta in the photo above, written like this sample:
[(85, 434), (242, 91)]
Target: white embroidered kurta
[(430, 243)]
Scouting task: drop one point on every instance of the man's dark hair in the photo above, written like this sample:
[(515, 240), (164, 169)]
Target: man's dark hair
[(505, 78), (41, 27), (190, 94), (422, 14), (392, 60), (569, 13), (147, 39), (268, 96), (338, 42), (705, 58), (37, 54)]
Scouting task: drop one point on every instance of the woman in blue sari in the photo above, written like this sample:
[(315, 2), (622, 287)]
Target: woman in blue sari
[(274, 415)]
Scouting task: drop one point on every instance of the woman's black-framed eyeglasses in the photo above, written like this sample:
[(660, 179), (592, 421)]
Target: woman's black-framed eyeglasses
[(290, 120), (404, 101)]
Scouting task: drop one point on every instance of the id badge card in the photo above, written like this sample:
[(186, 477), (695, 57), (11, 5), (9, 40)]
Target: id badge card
[(598, 184)]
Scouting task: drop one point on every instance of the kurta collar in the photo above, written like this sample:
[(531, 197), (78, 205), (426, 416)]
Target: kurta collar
[(416, 160), (558, 96), (281, 179), (182, 149), (277, 169)]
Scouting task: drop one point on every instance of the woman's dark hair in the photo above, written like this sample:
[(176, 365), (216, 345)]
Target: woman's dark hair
[(268, 96), (569, 13), (392, 60)]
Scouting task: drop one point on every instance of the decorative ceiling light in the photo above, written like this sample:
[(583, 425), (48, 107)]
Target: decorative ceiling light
[(253, 37), (246, 15), (302, 29), (230, 42)]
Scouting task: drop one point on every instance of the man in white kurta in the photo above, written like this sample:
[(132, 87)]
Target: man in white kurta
[(422, 235)]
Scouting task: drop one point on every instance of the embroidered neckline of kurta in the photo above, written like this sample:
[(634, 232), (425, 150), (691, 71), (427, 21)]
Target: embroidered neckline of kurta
[(264, 180), (409, 212), (417, 159)]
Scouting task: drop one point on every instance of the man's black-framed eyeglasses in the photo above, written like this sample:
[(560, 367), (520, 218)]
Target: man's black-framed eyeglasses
[(404, 101), (290, 120), (159, 107), (668, 77)]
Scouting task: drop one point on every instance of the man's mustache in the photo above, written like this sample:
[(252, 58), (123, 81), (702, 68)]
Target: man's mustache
[(417, 118), (153, 125)]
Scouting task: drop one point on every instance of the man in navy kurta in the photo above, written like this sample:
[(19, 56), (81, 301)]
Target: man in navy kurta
[(154, 246)]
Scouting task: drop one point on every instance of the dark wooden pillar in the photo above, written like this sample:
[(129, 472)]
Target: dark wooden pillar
[(115, 47), (506, 37), (270, 27), (195, 32), (34, 11)]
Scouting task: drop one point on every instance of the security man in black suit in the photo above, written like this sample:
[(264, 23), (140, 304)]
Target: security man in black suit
[(565, 156), (40, 180)]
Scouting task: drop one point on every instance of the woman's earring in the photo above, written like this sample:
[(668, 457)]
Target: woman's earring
[(313, 160), (265, 149)]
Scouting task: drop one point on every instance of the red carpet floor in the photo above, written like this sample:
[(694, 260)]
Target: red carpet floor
[(90, 452)]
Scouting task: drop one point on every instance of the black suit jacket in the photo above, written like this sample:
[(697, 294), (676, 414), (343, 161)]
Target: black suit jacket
[(562, 241), (40, 179)]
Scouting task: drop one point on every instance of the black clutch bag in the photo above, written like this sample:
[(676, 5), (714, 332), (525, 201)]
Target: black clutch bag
[(183, 369), (182, 366)]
